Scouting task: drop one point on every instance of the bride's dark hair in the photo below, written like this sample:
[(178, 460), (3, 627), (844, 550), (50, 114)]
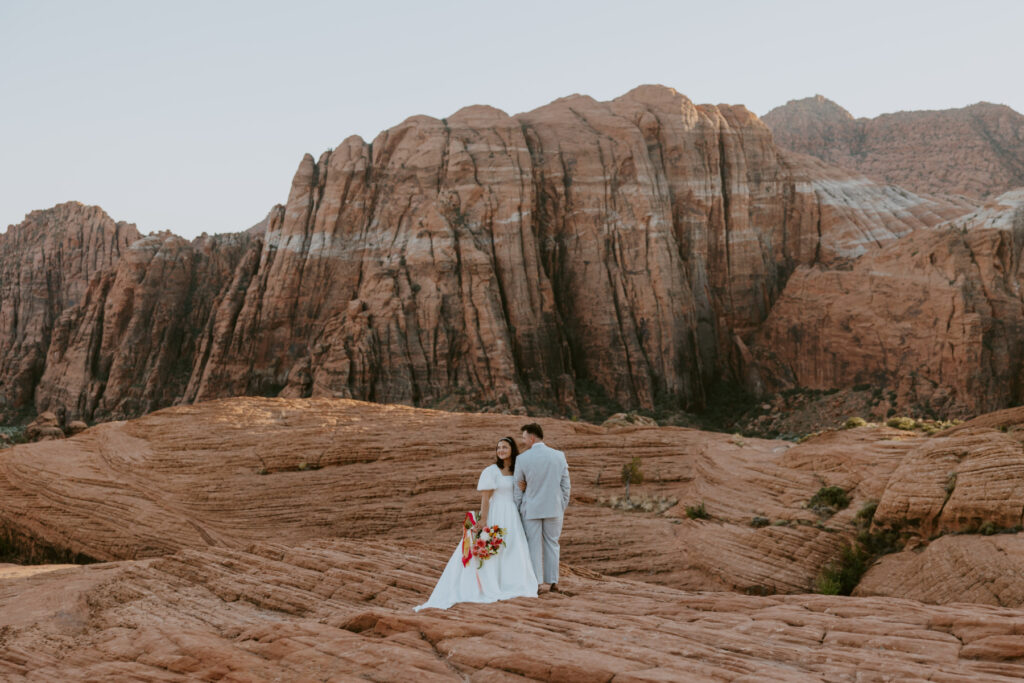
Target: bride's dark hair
[(512, 456)]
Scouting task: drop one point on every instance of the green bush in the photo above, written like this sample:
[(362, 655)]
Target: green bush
[(829, 496), (827, 583), (866, 513), (881, 542), (854, 422), (15, 435), (842, 575), (632, 474), (904, 423), (807, 437), (950, 484), (759, 521), (697, 511)]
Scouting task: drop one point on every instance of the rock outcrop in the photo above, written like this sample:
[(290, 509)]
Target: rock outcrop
[(45, 426), (187, 476), (586, 253), (46, 265), (341, 610), (359, 506), (935, 320), (323, 468), (959, 496), (139, 337), (976, 151)]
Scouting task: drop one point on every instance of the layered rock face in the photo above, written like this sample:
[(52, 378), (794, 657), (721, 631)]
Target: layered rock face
[(323, 468), (359, 507), (338, 610), (960, 496), (937, 319), (620, 252), (188, 477), (46, 265), (143, 329), (976, 151)]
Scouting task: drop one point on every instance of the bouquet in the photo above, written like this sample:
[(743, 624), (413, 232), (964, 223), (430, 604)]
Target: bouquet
[(489, 541)]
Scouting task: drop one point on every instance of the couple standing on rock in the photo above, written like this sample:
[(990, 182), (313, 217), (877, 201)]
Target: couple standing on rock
[(526, 495)]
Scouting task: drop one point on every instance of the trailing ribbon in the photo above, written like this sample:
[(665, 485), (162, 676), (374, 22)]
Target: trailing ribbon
[(467, 539)]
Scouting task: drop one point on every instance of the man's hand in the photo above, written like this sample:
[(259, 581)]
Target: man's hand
[(522, 485)]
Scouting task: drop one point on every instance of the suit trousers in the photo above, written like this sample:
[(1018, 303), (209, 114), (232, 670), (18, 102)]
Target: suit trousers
[(542, 538)]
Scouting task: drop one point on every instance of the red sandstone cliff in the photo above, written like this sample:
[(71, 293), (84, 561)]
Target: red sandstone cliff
[(619, 251), (936, 318), (141, 329), (46, 264), (976, 151)]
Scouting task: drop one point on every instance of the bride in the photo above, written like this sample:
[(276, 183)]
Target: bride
[(509, 574)]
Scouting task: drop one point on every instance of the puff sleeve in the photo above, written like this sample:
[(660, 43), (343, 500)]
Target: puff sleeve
[(488, 482)]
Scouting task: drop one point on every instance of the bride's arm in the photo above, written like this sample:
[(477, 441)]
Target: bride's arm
[(485, 504)]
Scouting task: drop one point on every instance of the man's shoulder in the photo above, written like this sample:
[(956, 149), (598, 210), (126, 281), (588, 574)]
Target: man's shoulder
[(554, 451)]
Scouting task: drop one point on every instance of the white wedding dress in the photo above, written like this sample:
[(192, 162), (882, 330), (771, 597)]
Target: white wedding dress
[(509, 574)]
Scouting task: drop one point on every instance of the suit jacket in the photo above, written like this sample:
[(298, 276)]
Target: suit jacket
[(546, 474)]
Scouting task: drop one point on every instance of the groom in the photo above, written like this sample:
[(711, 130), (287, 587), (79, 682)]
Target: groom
[(541, 493)]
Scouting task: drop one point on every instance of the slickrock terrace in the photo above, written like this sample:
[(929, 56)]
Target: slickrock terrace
[(341, 610)]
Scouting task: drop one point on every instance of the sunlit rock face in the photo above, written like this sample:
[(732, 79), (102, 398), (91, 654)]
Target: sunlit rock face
[(291, 539), (620, 252)]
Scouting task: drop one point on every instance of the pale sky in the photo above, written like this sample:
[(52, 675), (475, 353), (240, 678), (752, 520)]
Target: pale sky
[(193, 116)]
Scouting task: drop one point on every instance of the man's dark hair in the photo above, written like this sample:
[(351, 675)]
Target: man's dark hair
[(533, 428)]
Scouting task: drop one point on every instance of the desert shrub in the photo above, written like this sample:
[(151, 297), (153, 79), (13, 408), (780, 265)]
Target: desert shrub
[(880, 542), (950, 484), (829, 497), (904, 423), (827, 582), (632, 474), (14, 434), (697, 511), (842, 575), (854, 422), (657, 504), (866, 513), (758, 521)]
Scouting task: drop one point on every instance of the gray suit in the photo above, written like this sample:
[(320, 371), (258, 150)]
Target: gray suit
[(542, 505)]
